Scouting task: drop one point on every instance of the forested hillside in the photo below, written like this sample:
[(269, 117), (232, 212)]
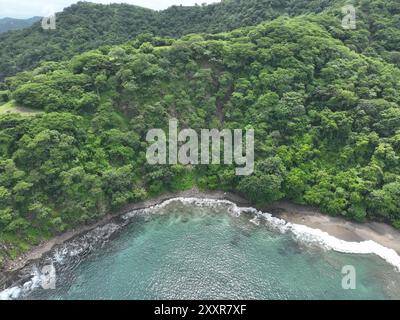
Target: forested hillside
[(326, 118), (377, 32), (79, 28), (86, 26), (7, 24)]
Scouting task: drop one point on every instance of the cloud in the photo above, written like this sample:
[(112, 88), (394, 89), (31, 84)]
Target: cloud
[(30, 8)]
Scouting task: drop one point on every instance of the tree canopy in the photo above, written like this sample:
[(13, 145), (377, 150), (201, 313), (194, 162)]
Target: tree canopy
[(326, 116), (85, 26)]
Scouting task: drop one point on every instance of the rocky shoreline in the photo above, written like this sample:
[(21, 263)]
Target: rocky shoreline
[(298, 214), (11, 269)]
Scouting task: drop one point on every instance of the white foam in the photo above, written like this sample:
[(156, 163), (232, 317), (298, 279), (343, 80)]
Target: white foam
[(325, 240), (10, 293), (19, 291), (301, 233), (71, 249)]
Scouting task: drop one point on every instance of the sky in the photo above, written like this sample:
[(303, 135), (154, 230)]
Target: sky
[(23, 9)]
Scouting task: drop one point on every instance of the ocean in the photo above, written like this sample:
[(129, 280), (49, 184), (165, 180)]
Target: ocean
[(209, 249)]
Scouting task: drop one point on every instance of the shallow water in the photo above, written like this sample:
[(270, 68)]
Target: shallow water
[(183, 251)]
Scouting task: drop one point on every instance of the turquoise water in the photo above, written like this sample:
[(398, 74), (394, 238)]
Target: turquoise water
[(186, 252)]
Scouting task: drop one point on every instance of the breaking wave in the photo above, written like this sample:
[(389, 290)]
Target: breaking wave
[(83, 245), (68, 253), (301, 233)]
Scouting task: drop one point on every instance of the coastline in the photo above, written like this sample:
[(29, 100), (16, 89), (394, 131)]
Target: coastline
[(337, 227), (12, 267)]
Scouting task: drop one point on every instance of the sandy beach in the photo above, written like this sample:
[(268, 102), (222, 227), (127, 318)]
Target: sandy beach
[(338, 227), (297, 214)]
